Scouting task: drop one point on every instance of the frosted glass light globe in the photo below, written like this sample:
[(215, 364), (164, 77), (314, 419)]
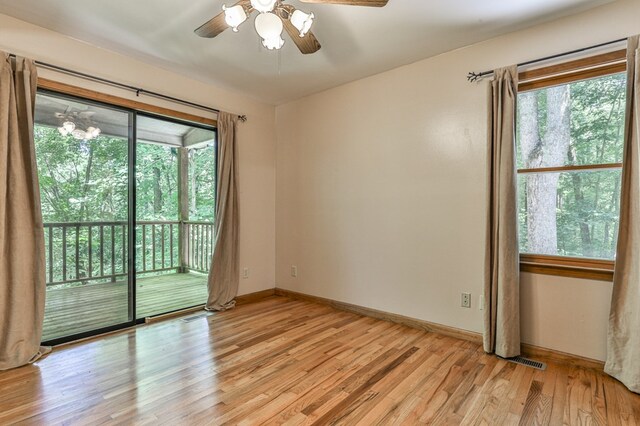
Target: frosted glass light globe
[(302, 21), (273, 43), (268, 26), (234, 16), (263, 6), (79, 134), (92, 132), (69, 126)]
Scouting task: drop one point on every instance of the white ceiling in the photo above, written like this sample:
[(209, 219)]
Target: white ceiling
[(356, 41)]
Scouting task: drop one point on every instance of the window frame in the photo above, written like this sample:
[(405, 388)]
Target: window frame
[(567, 72)]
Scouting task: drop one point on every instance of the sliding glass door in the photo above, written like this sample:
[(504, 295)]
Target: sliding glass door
[(175, 199), (82, 150), (103, 171)]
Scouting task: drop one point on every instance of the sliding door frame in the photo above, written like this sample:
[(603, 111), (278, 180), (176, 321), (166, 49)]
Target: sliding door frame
[(131, 207), (133, 110), (131, 249), (197, 125)]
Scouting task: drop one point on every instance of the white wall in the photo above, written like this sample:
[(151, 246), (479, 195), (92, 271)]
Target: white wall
[(256, 136), (380, 196), (567, 314)]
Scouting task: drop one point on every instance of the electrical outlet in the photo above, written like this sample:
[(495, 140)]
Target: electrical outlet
[(481, 303), (294, 271), (465, 300), (245, 273)]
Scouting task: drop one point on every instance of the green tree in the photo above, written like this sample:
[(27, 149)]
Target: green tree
[(573, 213), (87, 181)]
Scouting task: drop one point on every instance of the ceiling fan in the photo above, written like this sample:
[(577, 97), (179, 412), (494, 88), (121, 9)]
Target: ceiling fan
[(274, 15)]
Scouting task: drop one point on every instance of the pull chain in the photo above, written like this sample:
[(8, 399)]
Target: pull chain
[(279, 61)]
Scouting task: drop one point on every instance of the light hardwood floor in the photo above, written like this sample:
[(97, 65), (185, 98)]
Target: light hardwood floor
[(287, 361)]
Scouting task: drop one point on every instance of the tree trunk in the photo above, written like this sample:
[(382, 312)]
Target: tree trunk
[(615, 206), (54, 202), (547, 151), (85, 189), (157, 191)]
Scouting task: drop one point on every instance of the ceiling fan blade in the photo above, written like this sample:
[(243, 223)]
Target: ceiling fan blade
[(217, 24), (370, 3), (307, 44), (212, 27)]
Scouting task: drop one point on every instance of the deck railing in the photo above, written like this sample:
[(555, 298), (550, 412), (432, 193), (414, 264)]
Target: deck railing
[(82, 252), (198, 238)]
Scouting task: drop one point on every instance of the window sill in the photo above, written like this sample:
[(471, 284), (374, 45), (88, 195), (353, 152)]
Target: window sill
[(593, 269)]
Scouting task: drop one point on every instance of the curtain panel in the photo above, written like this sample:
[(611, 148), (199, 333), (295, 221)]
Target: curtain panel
[(224, 273), (623, 338), (502, 265), (22, 261)]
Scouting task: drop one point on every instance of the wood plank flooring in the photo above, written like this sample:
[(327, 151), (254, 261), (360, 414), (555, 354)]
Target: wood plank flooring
[(284, 361), (75, 310)]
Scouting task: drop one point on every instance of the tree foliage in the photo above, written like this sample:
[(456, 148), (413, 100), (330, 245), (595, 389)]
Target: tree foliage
[(202, 183), (81, 181), (87, 181), (156, 182), (572, 213)]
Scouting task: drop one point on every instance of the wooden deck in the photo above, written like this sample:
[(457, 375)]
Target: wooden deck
[(283, 361), (75, 310)]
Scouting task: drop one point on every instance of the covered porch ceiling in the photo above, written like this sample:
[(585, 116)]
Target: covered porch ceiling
[(115, 123)]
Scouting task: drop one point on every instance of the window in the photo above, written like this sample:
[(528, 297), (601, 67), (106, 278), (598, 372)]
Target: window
[(570, 133)]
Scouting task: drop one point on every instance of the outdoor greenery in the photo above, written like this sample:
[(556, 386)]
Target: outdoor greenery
[(85, 182), (157, 183), (571, 213), (202, 184), (81, 181)]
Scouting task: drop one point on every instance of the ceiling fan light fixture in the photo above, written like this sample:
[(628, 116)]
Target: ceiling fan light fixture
[(234, 16), (302, 21), (69, 126), (293, 20), (263, 6), (269, 26)]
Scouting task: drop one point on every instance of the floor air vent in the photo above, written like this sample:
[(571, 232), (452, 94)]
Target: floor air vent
[(194, 317), (528, 362)]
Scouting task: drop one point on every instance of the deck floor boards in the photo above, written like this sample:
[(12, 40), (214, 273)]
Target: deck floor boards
[(75, 310)]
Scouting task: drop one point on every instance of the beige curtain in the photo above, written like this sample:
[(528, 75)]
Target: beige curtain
[(22, 263), (502, 280), (225, 268), (623, 339)]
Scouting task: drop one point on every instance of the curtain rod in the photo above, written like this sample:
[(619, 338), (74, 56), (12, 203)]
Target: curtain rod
[(139, 91), (476, 76)]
